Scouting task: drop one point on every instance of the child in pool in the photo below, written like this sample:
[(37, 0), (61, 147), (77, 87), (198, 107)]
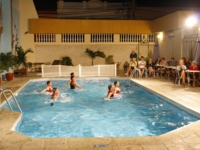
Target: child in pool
[(72, 82), (116, 87), (54, 96), (110, 92), (48, 87)]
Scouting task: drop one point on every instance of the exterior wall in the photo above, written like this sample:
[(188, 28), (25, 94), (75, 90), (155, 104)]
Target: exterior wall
[(27, 11), (170, 22), (15, 23), (171, 44), (6, 37), (48, 53)]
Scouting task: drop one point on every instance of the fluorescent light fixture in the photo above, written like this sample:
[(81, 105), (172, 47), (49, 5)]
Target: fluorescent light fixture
[(191, 21)]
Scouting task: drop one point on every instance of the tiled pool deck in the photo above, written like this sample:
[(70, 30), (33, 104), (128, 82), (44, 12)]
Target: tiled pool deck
[(185, 138)]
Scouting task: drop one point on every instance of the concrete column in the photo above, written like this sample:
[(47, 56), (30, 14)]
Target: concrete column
[(6, 37)]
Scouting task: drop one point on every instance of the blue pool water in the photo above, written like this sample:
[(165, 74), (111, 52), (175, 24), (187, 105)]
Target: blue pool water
[(85, 113)]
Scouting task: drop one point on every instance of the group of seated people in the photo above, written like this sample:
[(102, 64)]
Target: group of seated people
[(156, 67)]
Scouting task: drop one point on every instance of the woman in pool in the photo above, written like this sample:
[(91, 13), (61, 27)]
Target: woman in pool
[(72, 82), (110, 92), (116, 87), (48, 88), (54, 96)]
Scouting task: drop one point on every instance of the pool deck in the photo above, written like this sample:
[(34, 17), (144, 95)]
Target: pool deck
[(185, 138)]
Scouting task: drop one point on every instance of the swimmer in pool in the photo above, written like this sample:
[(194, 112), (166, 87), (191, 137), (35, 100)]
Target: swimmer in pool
[(116, 87), (110, 92), (48, 87), (72, 82), (54, 96)]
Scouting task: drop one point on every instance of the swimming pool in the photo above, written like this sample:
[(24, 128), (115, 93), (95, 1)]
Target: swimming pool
[(85, 113)]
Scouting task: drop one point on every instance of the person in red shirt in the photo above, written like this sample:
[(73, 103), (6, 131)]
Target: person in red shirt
[(54, 96), (48, 87), (194, 66)]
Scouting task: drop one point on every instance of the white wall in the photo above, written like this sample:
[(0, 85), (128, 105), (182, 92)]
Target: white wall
[(171, 44)]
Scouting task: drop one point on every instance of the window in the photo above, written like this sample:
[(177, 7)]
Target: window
[(45, 38), (73, 38), (102, 38)]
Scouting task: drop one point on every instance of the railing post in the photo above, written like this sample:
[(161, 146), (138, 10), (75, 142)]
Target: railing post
[(115, 70), (59, 70), (42, 70), (79, 70), (99, 70)]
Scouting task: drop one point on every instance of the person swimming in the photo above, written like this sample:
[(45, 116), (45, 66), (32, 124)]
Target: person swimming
[(110, 92), (72, 82), (116, 87), (48, 87), (54, 96)]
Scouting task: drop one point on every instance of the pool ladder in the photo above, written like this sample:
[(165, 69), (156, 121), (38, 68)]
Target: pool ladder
[(3, 91)]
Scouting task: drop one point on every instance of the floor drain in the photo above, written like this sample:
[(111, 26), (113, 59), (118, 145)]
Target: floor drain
[(100, 145)]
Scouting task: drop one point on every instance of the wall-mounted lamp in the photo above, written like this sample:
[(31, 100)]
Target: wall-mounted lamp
[(159, 36), (191, 21)]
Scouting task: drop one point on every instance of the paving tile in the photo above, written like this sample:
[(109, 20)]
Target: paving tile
[(130, 147), (154, 147), (57, 147), (194, 146), (178, 147), (192, 139)]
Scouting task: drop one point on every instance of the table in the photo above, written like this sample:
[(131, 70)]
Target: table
[(193, 72), (168, 70)]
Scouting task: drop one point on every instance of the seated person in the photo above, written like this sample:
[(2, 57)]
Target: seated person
[(116, 87), (150, 66), (181, 68), (132, 66), (172, 62), (187, 62), (110, 92), (193, 66), (158, 61), (142, 65), (48, 87), (126, 65), (162, 63)]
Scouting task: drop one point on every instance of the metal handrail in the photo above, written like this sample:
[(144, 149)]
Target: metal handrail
[(2, 91)]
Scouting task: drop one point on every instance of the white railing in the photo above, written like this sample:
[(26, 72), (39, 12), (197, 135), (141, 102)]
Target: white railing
[(81, 71)]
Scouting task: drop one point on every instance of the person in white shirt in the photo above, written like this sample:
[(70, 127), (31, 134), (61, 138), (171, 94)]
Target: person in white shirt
[(142, 65)]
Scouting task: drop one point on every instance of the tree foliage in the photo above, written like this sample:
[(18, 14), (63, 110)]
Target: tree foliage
[(21, 55), (93, 55), (66, 61)]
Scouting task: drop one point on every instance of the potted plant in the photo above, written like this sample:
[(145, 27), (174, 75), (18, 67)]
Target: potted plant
[(8, 61), (109, 59), (66, 61), (93, 55), (22, 59)]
